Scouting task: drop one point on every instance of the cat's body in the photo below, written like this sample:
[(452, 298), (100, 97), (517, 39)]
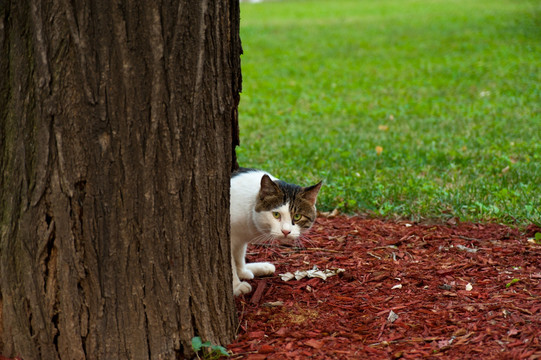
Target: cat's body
[(264, 208)]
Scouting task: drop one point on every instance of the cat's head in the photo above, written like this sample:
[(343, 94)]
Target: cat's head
[(285, 210)]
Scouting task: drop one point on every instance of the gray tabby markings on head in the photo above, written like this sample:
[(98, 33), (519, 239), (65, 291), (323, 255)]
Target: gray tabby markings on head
[(301, 200)]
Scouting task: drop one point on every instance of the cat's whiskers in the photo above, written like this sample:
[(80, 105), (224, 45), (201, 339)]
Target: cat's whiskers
[(300, 244), (263, 240), (304, 240)]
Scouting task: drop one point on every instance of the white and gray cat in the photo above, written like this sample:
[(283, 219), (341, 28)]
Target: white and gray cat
[(264, 208)]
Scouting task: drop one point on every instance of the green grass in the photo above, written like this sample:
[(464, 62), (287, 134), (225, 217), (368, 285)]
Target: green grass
[(450, 90)]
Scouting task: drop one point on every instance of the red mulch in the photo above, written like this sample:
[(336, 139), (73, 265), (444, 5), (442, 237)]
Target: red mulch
[(346, 316)]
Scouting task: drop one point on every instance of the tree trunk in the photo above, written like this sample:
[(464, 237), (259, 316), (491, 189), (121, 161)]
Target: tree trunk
[(119, 120)]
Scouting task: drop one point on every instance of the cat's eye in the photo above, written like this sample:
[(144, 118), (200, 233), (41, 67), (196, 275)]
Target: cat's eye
[(297, 217), (276, 215)]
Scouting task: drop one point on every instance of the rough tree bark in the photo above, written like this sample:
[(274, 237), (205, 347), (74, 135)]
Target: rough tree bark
[(118, 120)]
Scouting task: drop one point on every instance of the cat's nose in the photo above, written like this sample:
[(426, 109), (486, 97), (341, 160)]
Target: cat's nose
[(286, 232)]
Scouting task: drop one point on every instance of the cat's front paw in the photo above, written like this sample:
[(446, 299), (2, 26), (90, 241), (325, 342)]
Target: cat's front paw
[(241, 288), (245, 274), (261, 268)]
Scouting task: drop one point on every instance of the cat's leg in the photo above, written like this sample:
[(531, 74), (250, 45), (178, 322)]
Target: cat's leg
[(239, 287), (261, 268), (239, 252)]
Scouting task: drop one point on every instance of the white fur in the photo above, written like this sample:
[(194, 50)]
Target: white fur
[(248, 225)]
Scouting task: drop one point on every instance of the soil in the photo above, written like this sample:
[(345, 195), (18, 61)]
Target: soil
[(410, 291)]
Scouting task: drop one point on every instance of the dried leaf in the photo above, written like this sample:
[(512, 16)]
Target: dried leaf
[(330, 215), (273, 304), (392, 317), (464, 248), (314, 273), (287, 276)]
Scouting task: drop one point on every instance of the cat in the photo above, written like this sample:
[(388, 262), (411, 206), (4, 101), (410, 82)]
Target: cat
[(264, 208)]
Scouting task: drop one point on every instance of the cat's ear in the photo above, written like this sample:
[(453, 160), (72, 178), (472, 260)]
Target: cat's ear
[(268, 187), (310, 192)]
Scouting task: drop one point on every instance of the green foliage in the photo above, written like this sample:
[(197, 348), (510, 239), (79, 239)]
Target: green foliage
[(510, 283), (415, 108), (209, 351)]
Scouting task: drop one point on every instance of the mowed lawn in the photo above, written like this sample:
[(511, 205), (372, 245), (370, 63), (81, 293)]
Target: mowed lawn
[(411, 108)]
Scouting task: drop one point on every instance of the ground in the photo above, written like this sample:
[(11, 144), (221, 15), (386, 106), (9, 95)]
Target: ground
[(451, 291)]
